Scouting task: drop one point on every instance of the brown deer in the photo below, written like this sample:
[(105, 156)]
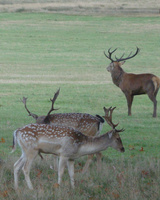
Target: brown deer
[(85, 123), (133, 84), (65, 142)]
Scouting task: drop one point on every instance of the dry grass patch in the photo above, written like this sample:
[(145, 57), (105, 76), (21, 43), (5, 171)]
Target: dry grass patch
[(135, 178), (83, 7)]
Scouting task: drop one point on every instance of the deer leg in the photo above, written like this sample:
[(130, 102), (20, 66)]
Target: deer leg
[(99, 163), (56, 163), (153, 99), (129, 102), (61, 167), (27, 166), (70, 164), (17, 167), (86, 166), (156, 92)]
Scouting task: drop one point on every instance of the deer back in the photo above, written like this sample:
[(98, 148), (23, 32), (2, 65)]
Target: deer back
[(48, 139), (85, 123)]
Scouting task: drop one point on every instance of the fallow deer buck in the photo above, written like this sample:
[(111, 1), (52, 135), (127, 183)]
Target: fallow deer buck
[(65, 142), (133, 84), (85, 123)]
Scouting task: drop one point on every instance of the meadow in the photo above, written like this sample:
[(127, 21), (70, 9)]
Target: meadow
[(41, 52)]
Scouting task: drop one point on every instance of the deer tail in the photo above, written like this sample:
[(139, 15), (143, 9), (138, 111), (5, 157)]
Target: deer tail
[(100, 118), (100, 124), (14, 141), (156, 82)]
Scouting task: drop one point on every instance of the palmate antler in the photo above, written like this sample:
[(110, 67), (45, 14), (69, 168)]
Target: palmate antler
[(108, 118), (53, 100)]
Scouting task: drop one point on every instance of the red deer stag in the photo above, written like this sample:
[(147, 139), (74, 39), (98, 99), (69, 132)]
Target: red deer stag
[(133, 84), (85, 123), (65, 142)]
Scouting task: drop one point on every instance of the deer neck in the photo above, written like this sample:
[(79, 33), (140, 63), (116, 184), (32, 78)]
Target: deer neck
[(95, 144), (117, 76)]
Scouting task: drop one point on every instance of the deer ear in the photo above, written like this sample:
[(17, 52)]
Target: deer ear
[(110, 135), (122, 62)]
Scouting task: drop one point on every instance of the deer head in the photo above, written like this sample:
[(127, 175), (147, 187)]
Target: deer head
[(118, 62), (114, 133)]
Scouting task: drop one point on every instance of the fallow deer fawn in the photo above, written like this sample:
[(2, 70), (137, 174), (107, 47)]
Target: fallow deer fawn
[(133, 84), (85, 123), (65, 142)]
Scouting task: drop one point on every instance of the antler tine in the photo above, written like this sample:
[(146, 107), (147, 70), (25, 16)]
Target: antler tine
[(112, 51), (53, 100), (110, 54), (107, 118), (24, 100), (107, 56), (111, 111), (129, 56), (120, 57), (120, 130)]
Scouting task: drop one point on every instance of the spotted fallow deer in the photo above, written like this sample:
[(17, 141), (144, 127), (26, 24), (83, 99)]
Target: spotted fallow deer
[(65, 142), (85, 123), (133, 84)]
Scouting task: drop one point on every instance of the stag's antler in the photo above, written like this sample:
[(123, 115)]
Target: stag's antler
[(108, 118), (24, 101), (129, 56), (53, 100), (121, 58), (110, 54)]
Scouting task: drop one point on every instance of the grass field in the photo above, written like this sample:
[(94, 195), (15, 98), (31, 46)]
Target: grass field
[(41, 52)]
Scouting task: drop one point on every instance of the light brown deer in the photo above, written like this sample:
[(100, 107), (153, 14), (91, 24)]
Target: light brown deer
[(85, 123), (133, 84), (65, 142)]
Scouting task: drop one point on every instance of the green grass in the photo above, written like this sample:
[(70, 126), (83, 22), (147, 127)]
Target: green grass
[(41, 52)]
